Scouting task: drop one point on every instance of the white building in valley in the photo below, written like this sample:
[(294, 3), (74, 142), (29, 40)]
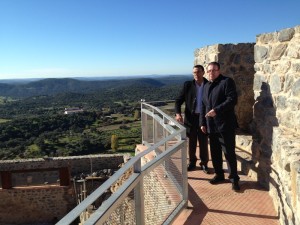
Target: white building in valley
[(72, 110)]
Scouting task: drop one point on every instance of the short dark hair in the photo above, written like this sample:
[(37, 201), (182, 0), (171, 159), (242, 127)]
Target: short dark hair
[(215, 64), (199, 67)]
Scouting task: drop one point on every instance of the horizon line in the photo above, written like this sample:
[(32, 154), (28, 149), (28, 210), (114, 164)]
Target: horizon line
[(100, 76)]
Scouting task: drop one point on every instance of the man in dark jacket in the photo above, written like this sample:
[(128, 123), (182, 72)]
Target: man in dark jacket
[(191, 94), (219, 121)]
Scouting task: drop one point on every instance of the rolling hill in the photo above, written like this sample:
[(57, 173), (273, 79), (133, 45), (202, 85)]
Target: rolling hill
[(53, 86)]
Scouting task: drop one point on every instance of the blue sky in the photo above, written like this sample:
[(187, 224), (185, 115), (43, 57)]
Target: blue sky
[(72, 38)]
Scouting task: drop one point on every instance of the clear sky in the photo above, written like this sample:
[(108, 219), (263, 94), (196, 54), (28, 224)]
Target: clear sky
[(71, 38)]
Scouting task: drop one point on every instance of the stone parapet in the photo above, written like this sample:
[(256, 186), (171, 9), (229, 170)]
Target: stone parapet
[(237, 62), (78, 164)]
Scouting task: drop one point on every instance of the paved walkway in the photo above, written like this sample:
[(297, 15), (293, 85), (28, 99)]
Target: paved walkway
[(219, 205)]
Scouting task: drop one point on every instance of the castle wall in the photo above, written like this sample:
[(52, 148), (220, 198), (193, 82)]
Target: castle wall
[(276, 119), (44, 205), (36, 197), (267, 76), (237, 62)]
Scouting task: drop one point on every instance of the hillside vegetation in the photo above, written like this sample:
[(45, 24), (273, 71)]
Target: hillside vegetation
[(33, 123)]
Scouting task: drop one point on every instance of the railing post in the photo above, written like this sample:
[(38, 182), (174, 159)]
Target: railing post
[(139, 196), (184, 171), (144, 123), (154, 128), (165, 133), (167, 161)]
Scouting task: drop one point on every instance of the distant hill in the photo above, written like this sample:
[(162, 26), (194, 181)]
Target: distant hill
[(103, 78), (19, 81), (53, 86)]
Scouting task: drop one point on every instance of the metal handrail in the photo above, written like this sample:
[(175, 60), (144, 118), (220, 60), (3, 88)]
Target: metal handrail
[(103, 212)]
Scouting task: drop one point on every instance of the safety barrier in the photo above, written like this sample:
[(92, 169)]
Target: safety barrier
[(151, 188)]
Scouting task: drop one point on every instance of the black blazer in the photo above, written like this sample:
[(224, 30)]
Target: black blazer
[(187, 95), (221, 96)]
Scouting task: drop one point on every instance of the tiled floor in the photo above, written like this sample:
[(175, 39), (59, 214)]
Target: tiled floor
[(219, 205)]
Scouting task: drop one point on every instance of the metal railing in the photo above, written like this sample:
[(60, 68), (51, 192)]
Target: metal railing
[(151, 188)]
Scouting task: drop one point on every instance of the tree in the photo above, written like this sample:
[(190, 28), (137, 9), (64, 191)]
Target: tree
[(137, 115), (40, 142), (114, 142)]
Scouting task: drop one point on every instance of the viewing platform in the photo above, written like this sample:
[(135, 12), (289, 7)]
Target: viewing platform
[(219, 205)]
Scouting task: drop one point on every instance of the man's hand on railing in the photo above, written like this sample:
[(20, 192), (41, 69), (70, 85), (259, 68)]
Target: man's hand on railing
[(179, 118)]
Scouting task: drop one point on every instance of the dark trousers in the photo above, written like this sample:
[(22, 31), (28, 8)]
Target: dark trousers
[(224, 142), (195, 134)]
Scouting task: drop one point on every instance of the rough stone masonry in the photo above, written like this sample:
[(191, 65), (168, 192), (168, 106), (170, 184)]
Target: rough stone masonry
[(267, 75)]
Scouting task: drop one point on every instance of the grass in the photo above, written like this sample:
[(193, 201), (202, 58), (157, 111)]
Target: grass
[(4, 120)]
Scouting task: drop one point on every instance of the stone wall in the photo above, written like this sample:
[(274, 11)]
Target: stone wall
[(268, 110), (237, 62), (276, 119), (46, 203), (77, 164)]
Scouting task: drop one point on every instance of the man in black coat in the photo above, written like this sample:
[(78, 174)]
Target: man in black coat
[(191, 94), (219, 121)]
